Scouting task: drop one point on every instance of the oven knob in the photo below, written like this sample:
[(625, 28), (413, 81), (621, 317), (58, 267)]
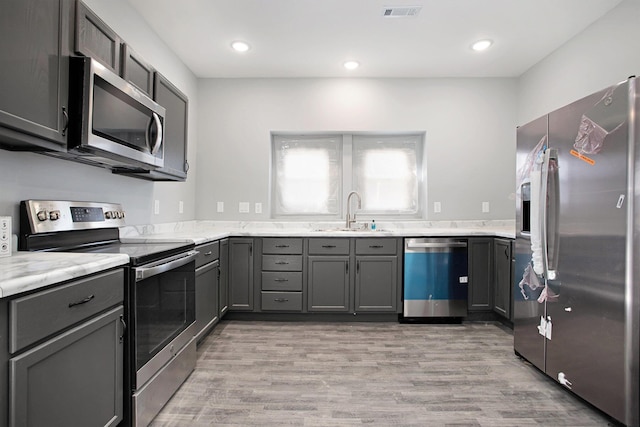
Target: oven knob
[(122, 214), (54, 215), (107, 214), (119, 214), (42, 215)]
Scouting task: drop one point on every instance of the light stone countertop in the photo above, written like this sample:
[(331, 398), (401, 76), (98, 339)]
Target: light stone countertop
[(201, 232), (26, 271)]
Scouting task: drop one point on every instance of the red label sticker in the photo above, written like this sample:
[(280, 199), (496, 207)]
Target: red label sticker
[(582, 157)]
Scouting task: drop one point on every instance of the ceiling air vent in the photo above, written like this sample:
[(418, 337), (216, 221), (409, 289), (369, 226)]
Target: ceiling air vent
[(401, 11)]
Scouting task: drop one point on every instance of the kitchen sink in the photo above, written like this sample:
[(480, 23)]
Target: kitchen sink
[(346, 230)]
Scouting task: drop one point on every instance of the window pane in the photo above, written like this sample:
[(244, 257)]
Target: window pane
[(385, 172), (307, 175)]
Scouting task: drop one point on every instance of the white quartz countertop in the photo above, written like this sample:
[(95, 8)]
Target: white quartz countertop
[(201, 232), (26, 271)]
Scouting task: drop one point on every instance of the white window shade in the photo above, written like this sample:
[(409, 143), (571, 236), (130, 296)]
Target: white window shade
[(307, 175), (386, 173)]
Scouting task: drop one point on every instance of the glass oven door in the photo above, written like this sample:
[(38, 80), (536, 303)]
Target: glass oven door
[(163, 306)]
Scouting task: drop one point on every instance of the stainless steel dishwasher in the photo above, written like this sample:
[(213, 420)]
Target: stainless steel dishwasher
[(435, 277)]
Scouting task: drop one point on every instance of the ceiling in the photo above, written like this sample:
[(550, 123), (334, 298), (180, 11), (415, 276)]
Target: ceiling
[(313, 38)]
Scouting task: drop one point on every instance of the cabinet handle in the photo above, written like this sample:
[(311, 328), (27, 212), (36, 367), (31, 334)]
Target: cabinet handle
[(82, 301), (219, 273), (280, 299), (328, 246), (208, 253), (250, 250), (281, 280), (357, 266), (124, 328), (506, 252), (376, 246), (186, 166), (282, 246), (65, 116), (346, 268), (281, 262)]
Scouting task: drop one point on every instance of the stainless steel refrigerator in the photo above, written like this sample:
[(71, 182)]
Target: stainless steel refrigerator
[(576, 281)]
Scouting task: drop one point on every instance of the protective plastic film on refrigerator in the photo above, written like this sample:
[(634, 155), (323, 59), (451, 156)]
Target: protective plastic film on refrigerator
[(576, 298)]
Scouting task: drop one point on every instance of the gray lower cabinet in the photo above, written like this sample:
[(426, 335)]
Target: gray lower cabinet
[(36, 39), (281, 281), (502, 270), (241, 274), (328, 286), (63, 361), (480, 274), (207, 284), (376, 283), (223, 286)]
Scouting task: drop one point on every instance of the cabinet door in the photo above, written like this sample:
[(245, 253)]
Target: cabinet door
[(241, 274), (502, 269), (328, 287), (136, 70), (480, 274), (35, 43), (74, 379), (376, 283), (223, 299), (206, 298), (175, 127), (94, 38)]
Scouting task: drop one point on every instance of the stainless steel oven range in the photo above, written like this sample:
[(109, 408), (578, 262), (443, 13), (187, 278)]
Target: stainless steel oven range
[(160, 350)]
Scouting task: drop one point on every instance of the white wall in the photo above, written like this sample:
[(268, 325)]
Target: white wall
[(469, 124), (605, 53), (33, 176)]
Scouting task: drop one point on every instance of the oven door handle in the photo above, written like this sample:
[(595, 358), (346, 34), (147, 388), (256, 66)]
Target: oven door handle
[(142, 273)]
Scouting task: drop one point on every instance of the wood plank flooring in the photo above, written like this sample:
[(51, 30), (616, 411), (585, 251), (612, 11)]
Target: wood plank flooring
[(377, 374)]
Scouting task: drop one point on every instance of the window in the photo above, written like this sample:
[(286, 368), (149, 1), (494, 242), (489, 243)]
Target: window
[(307, 175), (311, 173)]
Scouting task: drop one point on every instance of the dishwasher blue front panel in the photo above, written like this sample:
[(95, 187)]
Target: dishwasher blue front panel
[(435, 283)]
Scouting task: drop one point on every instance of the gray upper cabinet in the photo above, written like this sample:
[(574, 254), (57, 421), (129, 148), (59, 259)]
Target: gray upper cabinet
[(136, 70), (480, 274), (36, 39), (94, 38)]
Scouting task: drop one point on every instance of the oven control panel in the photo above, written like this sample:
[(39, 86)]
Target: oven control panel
[(47, 216)]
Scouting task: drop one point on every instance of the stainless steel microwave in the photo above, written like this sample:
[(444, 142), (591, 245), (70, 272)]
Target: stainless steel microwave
[(111, 122)]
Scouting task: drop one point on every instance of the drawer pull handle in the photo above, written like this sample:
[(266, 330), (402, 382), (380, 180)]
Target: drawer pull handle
[(208, 253), (376, 246), (282, 246), (82, 301), (328, 246), (280, 299), (282, 262), (281, 280)]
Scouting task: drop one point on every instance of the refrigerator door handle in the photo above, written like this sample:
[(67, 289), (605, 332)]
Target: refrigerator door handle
[(549, 199)]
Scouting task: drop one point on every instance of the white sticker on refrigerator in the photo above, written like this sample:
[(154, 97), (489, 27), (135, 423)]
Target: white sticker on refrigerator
[(620, 201)]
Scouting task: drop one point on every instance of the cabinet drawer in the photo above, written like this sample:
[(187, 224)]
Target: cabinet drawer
[(281, 281), (207, 253), (329, 246), (281, 246), (36, 316), (370, 246), (282, 301), (282, 262)]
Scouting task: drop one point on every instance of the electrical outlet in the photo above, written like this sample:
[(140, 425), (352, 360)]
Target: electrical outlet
[(485, 207), (220, 207), (243, 207), (156, 207), (5, 236), (258, 208), (437, 207), (180, 206)]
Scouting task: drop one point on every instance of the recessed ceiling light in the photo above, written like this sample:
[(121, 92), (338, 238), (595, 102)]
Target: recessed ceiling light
[(351, 65), (481, 45), (239, 46)]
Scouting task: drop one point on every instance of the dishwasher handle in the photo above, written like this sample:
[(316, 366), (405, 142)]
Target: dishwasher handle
[(429, 245)]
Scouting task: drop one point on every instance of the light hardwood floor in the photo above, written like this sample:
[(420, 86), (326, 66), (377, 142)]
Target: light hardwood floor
[(377, 374)]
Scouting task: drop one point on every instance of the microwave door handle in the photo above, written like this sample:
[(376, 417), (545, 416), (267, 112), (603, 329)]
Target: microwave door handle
[(142, 273), (158, 141)]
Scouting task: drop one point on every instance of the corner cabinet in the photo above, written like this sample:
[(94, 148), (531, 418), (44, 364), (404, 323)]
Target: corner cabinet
[(241, 274), (65, 354), (36, 38)]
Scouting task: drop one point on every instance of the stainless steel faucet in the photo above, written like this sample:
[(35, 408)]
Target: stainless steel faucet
[(349, 219)]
